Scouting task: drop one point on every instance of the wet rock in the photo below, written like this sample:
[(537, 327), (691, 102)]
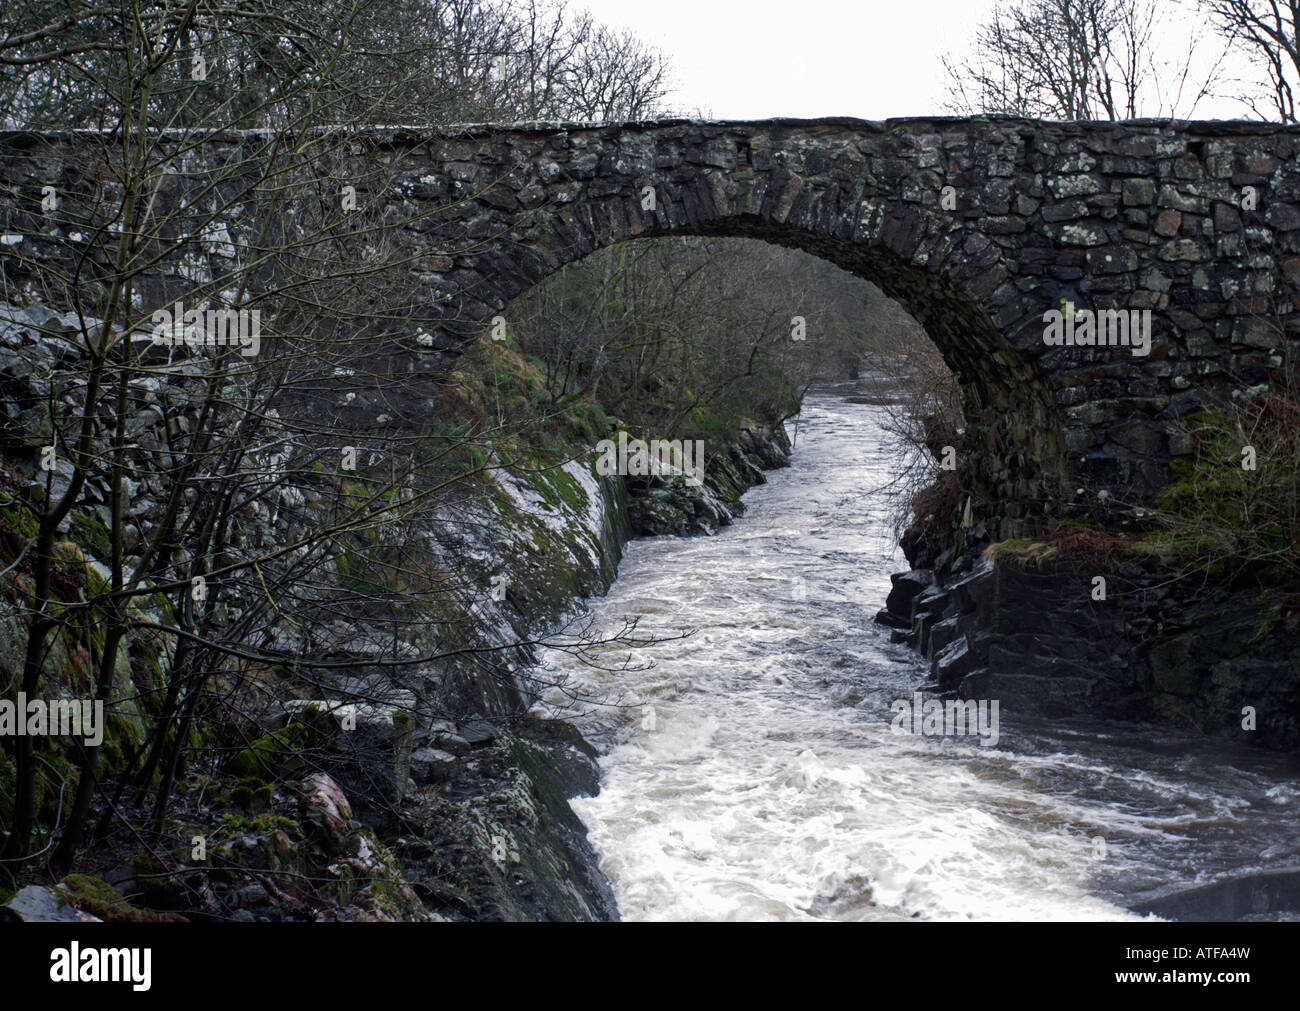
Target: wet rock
[(502, 842), (442, 735), (369, 743), (889, 619), (1046, 695), (931, 602), (974, 591), (429, 765), (324, 806), (39, 904), (453, 743), (941, 635), (478, 733), (953, 662), (669, 506), (1269, 895), (251, 895), (906, 586)]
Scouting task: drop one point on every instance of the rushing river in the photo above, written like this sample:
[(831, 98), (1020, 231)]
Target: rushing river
[(752, 772)]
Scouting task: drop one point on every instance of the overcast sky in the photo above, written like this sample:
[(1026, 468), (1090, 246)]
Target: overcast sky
[(808, 58)]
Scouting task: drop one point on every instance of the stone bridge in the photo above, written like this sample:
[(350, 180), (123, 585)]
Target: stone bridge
[(978, 227)]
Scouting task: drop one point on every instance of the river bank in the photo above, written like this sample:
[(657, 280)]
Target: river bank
[(359, 788)]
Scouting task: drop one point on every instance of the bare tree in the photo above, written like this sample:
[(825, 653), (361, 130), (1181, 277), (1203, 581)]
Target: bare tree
[(675, 335), (289, 225), (1266, 33), (615, 76), (1077, 60)]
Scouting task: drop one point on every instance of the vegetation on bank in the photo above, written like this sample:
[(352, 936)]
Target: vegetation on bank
[(250, 522), (1230, 513), (1232, 510), (496, 427), (208, 795)]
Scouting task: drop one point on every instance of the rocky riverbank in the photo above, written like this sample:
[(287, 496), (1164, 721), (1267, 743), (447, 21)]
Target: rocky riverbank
[(357, 790), (1021, 622)]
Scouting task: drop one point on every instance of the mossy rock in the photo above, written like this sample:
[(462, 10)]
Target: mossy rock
[(92, 535), (264, 823), (13, 644), (277, 754), (1021, 553), (56, 780), (68, 557), (251, 794), (125, 733), (97, 897)]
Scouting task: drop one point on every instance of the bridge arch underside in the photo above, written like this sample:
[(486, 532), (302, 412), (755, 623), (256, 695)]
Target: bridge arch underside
[(1015, 447), (1014, 443)]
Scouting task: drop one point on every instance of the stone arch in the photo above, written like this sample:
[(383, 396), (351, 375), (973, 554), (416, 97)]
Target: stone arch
[(948, 275), (1015, 441)]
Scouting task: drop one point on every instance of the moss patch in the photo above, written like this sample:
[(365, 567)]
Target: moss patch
[(1067, 542), (276, 754), (98, 898)]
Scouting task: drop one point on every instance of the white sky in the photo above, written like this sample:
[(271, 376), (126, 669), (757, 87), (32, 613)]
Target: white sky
[(874, 59)]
